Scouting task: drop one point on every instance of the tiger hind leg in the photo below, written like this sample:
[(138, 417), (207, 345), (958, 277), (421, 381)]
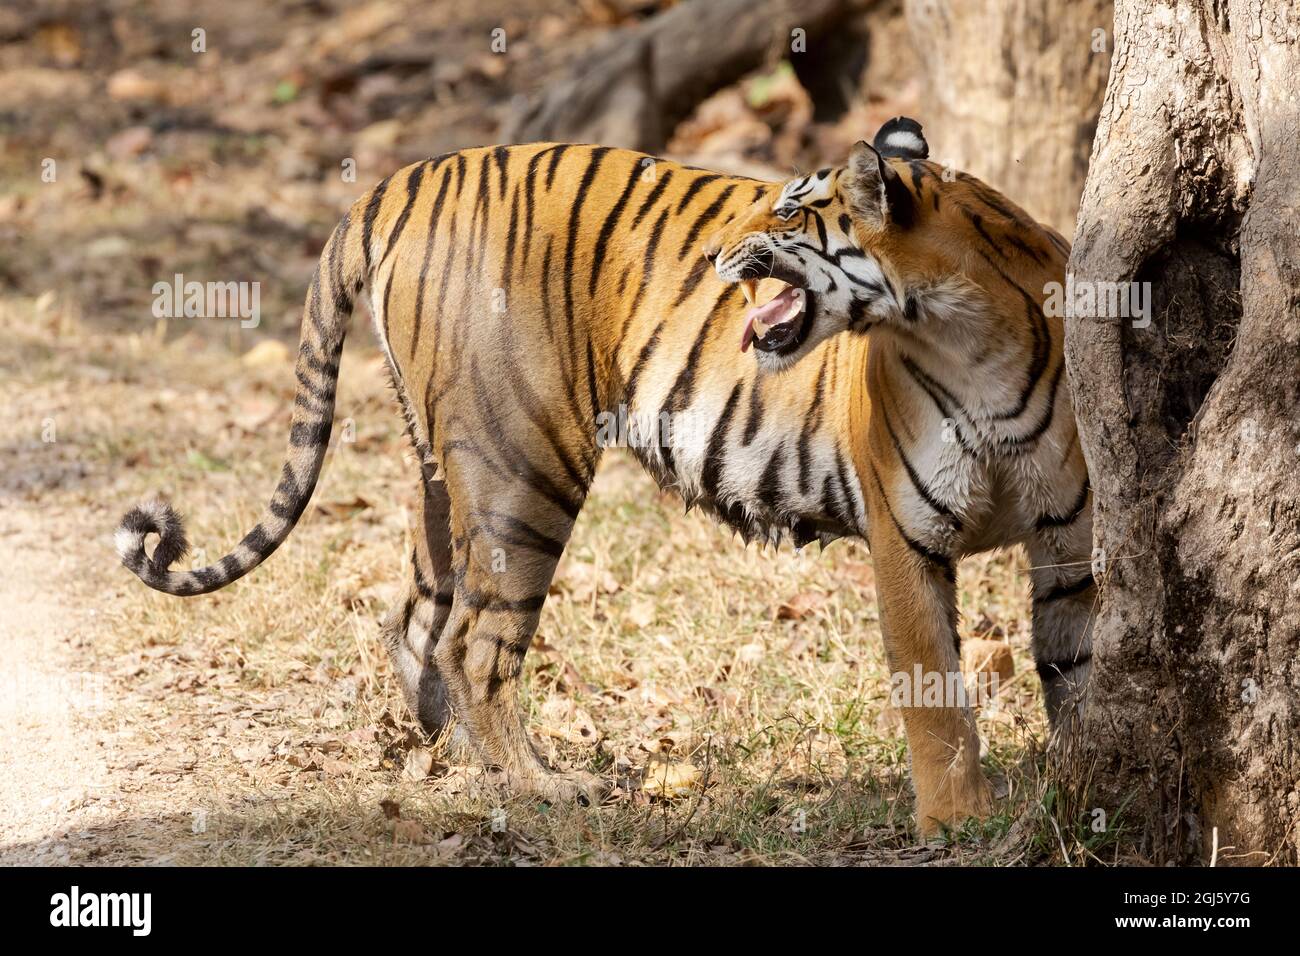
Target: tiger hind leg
[(413, 626), (1064, 595), (506, 541)]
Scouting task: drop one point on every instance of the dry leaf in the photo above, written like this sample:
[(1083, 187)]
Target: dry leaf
[(564, 720), (411, 831), (580, 580), (345, 508), (419, 763), (451, 844), (642, 613), (303, 761), (131, 84), (336, 768), (567, 678), (670, 778), (266, 352), (800, 606)]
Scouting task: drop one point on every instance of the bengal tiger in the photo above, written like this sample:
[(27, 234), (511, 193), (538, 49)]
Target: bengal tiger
[(863, 350)]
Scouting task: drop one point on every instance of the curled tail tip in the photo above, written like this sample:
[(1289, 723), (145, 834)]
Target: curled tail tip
[(154, 516)]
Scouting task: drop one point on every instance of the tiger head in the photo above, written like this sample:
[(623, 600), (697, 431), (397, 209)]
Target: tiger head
[(842, 243)]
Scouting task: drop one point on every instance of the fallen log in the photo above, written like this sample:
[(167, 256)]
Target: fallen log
[(639, 82)]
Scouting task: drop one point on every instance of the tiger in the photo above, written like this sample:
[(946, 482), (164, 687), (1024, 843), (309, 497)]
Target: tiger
[(858, 352)]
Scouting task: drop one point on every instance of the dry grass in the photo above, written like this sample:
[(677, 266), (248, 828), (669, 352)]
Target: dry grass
[(265, 717)]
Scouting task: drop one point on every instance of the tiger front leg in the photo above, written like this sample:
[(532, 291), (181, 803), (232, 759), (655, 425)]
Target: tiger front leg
[(917, 598)]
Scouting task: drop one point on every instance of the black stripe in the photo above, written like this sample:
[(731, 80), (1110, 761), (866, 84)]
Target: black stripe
[(368, 220), (258, 542), (769, 485), (648, 261), (512, 231), (480, 601), (592, 391), (482, 212), (714, 453), (812, 419), (422, 586), (1067, 590), (683, 389), (921, 489), (944, 400), (650, 200), (538, 413), (703, 219), (849, 515), (530, 186), (517, 458), (647, 350), (696, 185), (435, 218), (556, 156), (755, 418), (692, 280), (1061, 521), (821, 228), (1016, 442), (1042, 346), (933, 557), (547, 319), (444, 283), (412, 192), (502, 156), (342, 298), (1027, 249), (598, 155), (1050, 670), (607, 227), (978, 222), (519, 532), (309, 434)]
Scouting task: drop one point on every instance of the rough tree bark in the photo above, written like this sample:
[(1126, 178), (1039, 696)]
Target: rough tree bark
[(1191, 429), (1012, 93)]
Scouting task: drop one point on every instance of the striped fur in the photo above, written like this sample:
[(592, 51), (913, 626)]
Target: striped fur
[(527, 296)]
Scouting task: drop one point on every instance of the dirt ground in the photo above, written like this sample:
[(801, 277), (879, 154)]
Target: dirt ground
[(738, 698)]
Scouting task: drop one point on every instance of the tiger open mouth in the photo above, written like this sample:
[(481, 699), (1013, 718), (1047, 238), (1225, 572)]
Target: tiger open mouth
[(781, 324)]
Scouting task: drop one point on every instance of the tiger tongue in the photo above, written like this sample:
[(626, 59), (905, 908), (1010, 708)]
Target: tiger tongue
[(778, 310)]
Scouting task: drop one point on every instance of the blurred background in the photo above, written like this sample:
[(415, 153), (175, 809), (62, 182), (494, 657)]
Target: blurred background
[(227, 136)]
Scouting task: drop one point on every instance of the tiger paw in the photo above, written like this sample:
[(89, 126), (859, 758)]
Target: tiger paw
[(952, 806), (572, 786)]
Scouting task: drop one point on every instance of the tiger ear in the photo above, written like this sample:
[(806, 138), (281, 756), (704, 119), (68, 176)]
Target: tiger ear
[(902, 138), (875, 189)]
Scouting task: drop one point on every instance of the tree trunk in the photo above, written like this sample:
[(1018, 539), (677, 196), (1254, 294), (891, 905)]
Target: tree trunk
[(1013, 89), (1191, 429)]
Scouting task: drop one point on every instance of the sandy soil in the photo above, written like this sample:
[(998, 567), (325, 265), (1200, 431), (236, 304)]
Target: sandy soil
[(59, 765)]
